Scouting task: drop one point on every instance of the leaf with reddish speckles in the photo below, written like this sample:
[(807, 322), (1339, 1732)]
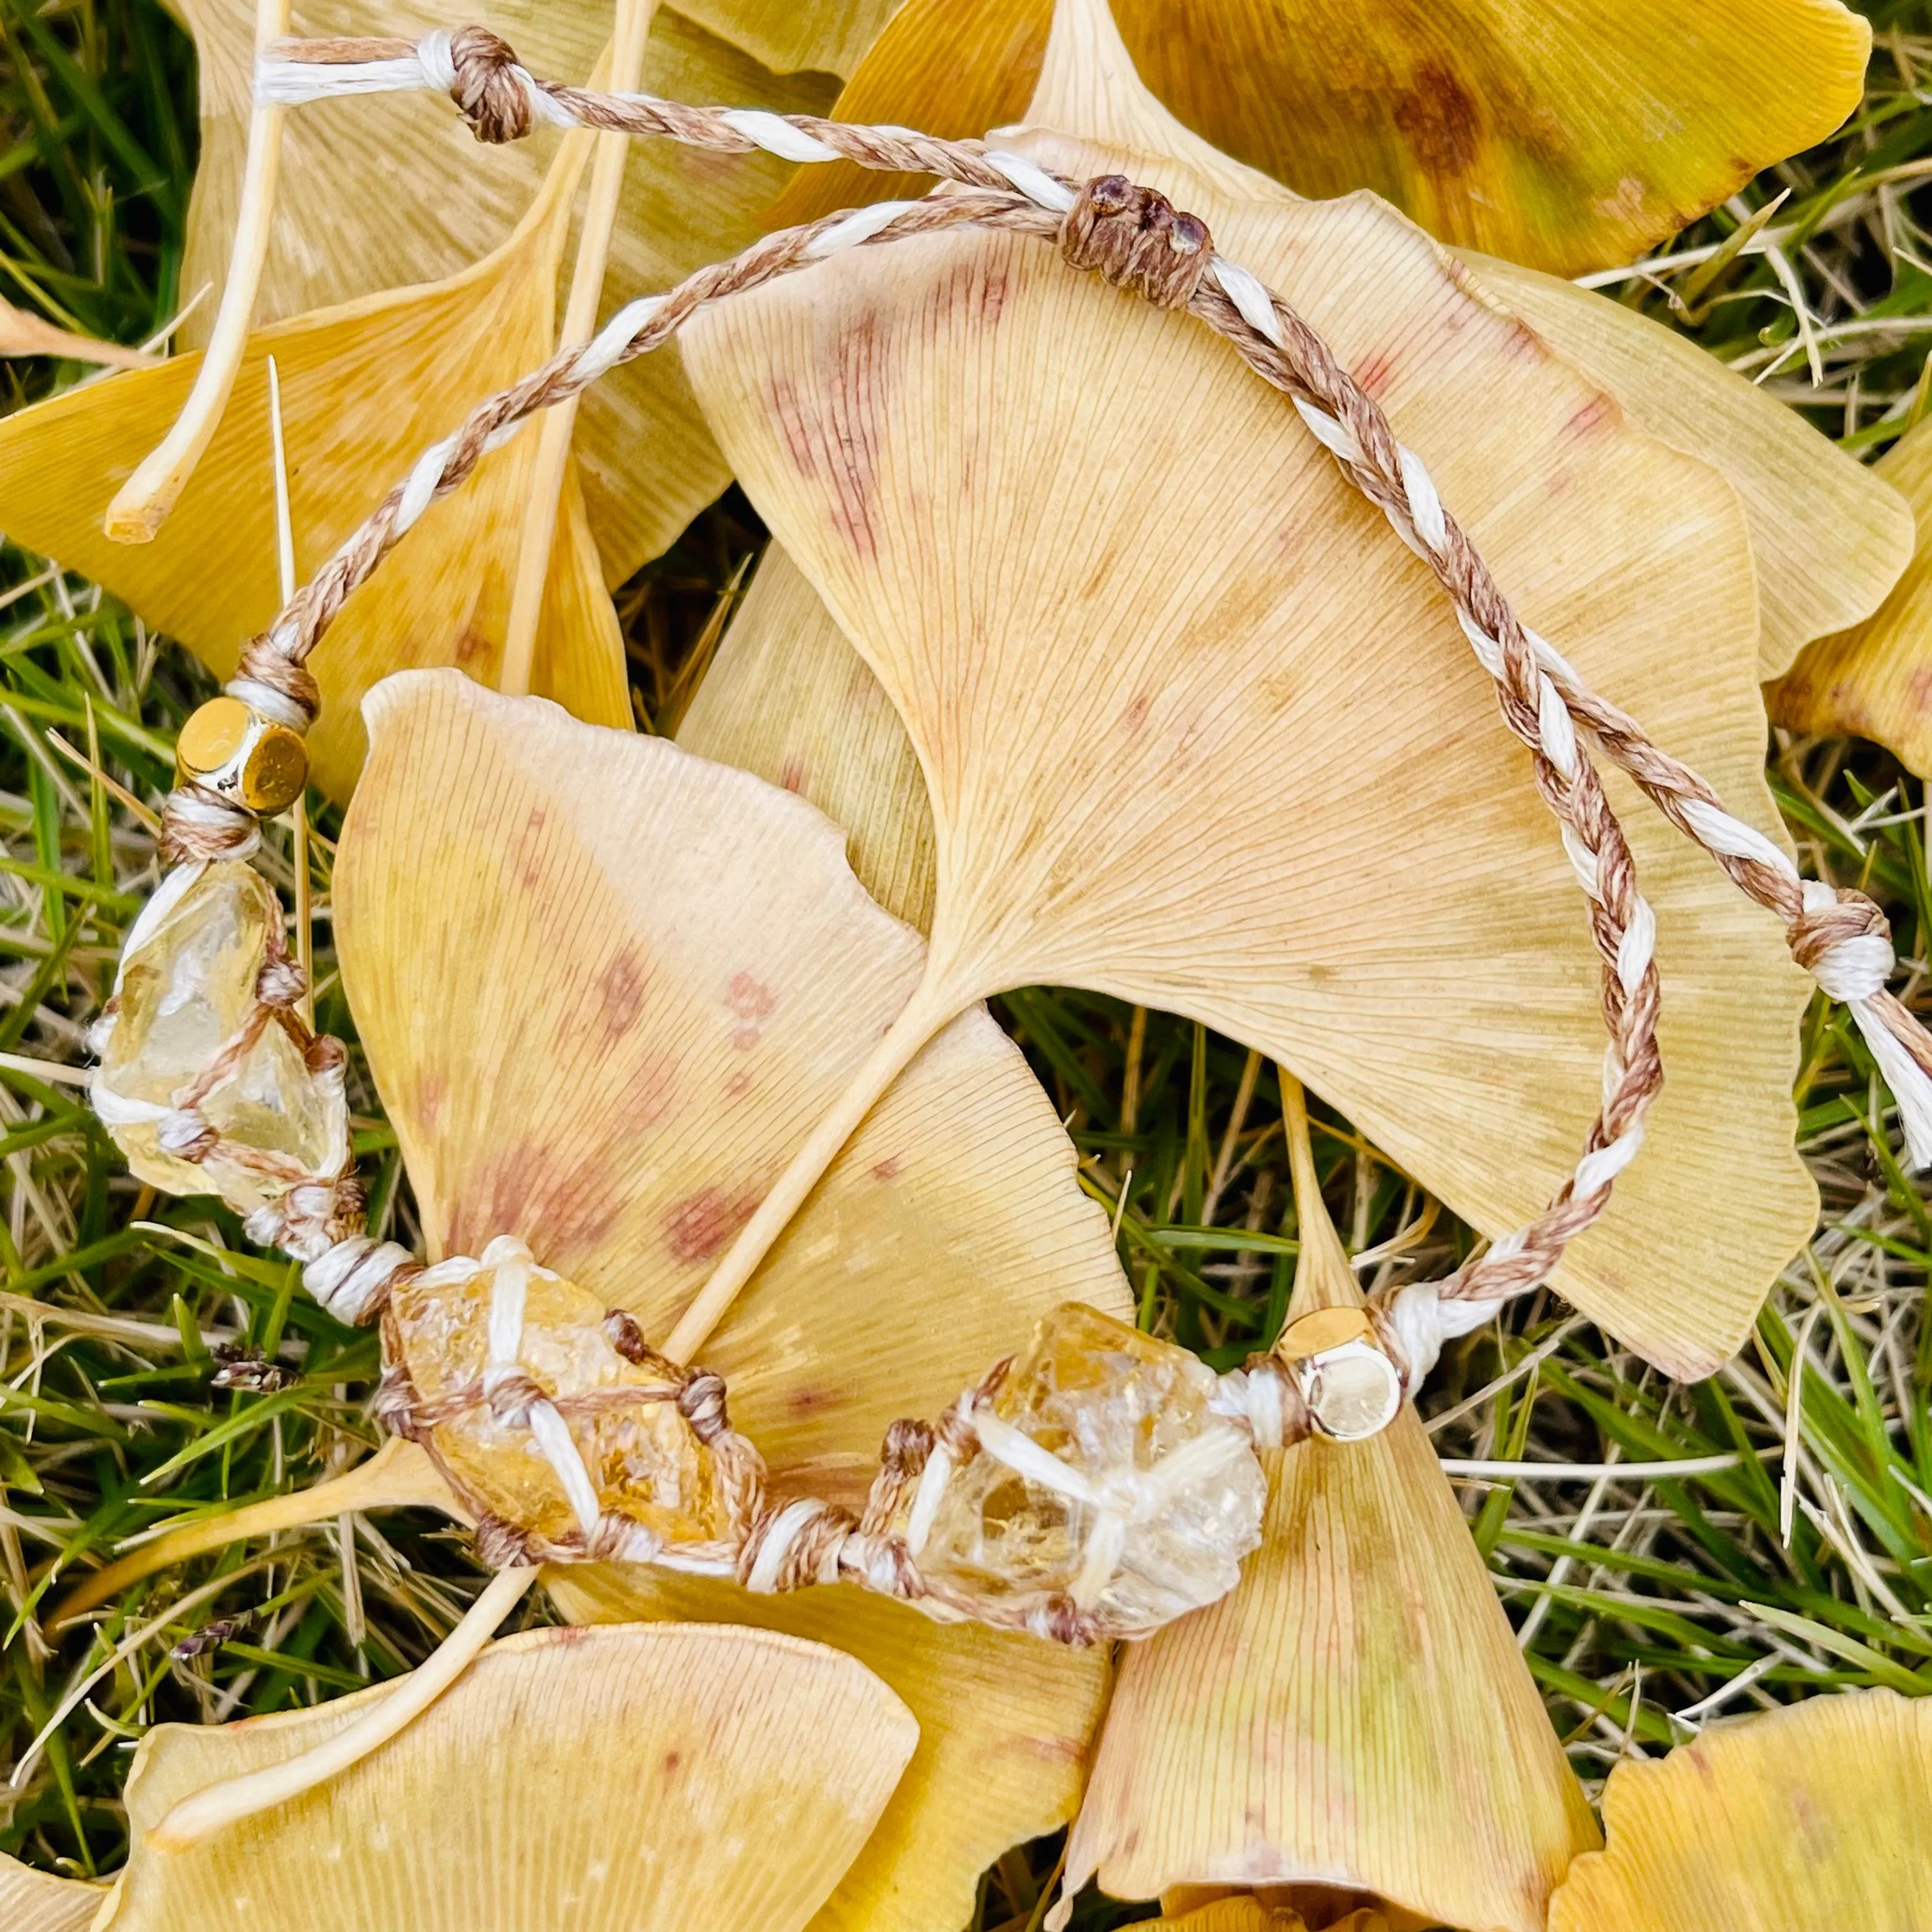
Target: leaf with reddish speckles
[(679, 1777), (1875, 680), (498, 861), (1572, 139), (36, 1901), (1198, 731), (364, 388), (1829, 536), (1355, 1712), (1818, 1815)]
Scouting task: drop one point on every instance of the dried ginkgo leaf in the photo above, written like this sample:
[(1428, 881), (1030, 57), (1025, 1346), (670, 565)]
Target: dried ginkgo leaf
[(23, 333), (1875, 680), (363, 387), (37, 1901), (1569, 142), (788, 697), (1355, 1713), (680, 1775), (1163, 669), (384, 190), (1829, 536), (1818, 1815), (637, 982)]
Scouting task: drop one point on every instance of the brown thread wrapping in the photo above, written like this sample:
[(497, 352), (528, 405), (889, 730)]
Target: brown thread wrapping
[(1134, 237)]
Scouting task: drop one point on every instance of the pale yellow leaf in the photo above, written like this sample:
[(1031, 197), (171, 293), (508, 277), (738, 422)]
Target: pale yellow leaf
[(1569, 137), (1829, 536), (1355, 1713), (382, 190), (639, 980), (37, 1901), (1198, 732), (364, 388), (1815, 1818), (570, 1781), (1875, 680), (788, 698)]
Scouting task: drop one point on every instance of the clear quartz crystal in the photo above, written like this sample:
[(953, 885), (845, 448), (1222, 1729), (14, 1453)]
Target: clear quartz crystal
[(185, 989), (1129, 1416), (642, 1458)]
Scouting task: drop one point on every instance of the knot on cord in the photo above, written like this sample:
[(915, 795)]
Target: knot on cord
[(487, 86), (311, 1218), (197, 823), (1844, 941), (269, 681), (1137, 239), (186, 1135)]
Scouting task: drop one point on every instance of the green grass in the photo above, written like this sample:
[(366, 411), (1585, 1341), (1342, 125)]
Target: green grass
[(1644, 1605)]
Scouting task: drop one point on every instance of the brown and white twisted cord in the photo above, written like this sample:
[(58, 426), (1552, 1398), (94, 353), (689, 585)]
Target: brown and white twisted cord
[(1135, 239)]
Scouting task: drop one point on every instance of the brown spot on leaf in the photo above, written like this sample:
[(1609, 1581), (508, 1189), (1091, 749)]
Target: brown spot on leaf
[(697, 1227), (738, 1085), (1918, 688), (620, 992), (1591, 416), (1441, 120), (432, 1090), (890, 1169), (562, 1212), (1373, 373), (828, 433), (791, 774), (750, 998), (471, 644)]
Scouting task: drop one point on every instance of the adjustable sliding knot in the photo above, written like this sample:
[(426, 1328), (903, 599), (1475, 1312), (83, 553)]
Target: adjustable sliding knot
[(488, 84), (1134, 238), (354, 1279), (311, 1218), (282, 982), (1844, 941)]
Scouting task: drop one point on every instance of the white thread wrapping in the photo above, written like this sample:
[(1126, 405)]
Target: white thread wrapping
[(1425, 504), (346, 1278), (606, 348), (1718, 830), (1854, 971), (861, 225), (271, 703), (1330, 432)]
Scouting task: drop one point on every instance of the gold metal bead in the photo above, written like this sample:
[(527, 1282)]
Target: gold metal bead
[(1344, 1374), (234, 750)]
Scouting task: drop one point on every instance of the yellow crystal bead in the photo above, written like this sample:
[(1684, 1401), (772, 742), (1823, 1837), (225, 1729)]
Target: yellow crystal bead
[(1163, 1498), (187, 984), (642, 1458), (234, 750)]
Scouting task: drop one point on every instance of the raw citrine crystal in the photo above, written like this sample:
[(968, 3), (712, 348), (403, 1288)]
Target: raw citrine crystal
[(642, 1458), (186, 986), (1161, 1500)]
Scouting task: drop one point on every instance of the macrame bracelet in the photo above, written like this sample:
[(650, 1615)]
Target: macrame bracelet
[(1337, 1383)]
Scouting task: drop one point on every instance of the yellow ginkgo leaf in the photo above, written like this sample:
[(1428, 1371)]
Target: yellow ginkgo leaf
[(1356, 1713), (1163, 669), (1003, 1728), (1242, 1912), (363, 387), (1875, 680), (1816, 1816), (788, 698), (1829, 536), (1569, 138), (638, 983), (679, 1775), (37, 1901), (381, 191)]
